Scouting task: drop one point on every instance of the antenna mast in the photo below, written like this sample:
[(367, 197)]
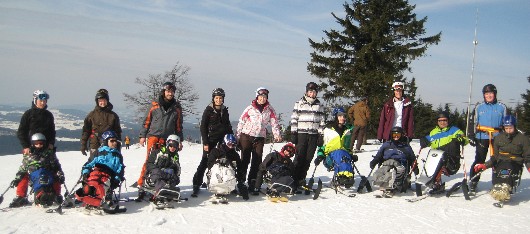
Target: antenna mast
[(475, 42)]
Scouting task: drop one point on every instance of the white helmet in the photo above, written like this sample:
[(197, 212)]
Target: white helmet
[(37, 137), (398, 83), (172, 138), (262, 91), (40, 94)]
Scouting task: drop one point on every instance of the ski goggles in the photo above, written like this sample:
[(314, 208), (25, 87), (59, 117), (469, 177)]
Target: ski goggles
[(113, 141), (170, 87), (43, 96), (396, 134), (398, 88), (173, 144), (263, 92), (290, 151), (231, 144)]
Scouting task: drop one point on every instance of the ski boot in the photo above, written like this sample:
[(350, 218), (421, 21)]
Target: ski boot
[(141, 195), (243, 191), (18, 202), (473, 187), (273, 196), (437, 189)]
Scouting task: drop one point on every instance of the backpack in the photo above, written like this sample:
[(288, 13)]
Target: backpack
[(42, 184), (340, 162), (221, 179), (96, 190)]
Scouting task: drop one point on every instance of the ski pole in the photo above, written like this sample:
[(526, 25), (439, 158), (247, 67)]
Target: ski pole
[(312, 179), (2, 196)]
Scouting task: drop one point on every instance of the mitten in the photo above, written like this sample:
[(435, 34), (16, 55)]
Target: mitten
[(479, 167), (318, 160), (373, 163), (354, 158)]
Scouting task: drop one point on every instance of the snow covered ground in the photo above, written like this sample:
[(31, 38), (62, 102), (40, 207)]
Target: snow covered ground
[(331, 213)]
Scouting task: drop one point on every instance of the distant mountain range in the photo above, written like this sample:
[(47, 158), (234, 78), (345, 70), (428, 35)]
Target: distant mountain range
[(68, 124)]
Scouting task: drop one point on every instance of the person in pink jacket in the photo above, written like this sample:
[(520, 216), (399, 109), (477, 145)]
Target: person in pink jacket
[(396, 112), (251, 133)]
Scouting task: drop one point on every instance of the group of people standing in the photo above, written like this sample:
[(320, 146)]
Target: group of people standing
[(162, 133)]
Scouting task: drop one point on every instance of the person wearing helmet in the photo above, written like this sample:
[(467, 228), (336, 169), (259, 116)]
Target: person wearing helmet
[(163, 169), (252, 130), (40, 160), (225, 154), (396, 112), (37, 120), (336, 149), (487, 119), (307, 126), (360, 114), (448, 139), (395, 158), (215, 124), (106, 165), (163, 119), (99, 120), (511, 152), (279, 170)]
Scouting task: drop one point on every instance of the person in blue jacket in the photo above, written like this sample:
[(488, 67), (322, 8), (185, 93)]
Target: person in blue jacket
[(488, 122)]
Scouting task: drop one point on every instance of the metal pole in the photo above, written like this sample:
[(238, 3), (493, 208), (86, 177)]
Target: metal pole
[(475, 42)]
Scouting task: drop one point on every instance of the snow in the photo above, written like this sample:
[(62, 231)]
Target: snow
[(331, 213)]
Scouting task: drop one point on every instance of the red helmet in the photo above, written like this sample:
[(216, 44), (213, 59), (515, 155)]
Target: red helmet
[(289, 147)]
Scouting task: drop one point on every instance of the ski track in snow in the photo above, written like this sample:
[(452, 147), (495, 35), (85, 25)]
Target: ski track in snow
[(329, 213)]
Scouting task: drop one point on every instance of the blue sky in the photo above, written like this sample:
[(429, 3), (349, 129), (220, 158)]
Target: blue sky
[(73, 48)]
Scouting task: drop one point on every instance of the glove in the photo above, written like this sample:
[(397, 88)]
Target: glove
[(318, 160), (320, 140), (168, 171), (83, 150), (60, 177), (424, 142), (354, 158), (473, 142), (17, 179), (380, 141), (223, 161), (373, 163), (294, 138), (479, 167)]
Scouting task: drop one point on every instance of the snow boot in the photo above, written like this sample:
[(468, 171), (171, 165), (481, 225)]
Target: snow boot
[(437, 189), (18, 202), (243, 191), (141, 195), (196, 189)]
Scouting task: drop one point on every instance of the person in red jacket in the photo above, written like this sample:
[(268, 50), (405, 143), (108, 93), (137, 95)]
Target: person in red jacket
[(396, 112)]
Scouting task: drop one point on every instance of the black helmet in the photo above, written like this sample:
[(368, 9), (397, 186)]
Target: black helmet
[(489, 88), (102, 93), (168, 86), (443, 114), (218, 92), (396, 129), (311, 86)]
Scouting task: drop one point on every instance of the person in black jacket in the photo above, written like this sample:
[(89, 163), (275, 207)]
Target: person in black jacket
[(163, 167), (37, 120), (279, 166), (215, 124)]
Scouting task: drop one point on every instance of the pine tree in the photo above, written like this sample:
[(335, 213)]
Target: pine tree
[(378, 41), (523, 112)]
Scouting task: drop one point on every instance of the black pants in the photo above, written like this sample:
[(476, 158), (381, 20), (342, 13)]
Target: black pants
[(251, 152), (198, 178), (305, 151), (481, 151)]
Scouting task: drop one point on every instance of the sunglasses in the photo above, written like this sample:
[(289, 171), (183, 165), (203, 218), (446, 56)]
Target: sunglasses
[(43, 96)]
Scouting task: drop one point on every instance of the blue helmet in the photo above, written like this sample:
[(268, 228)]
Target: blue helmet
[(230, 140), (509, 120), (338, 110), (108, 134)]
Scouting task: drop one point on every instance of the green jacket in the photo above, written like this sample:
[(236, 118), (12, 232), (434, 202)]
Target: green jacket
[(333, 141), (439, 137), (514, 147)]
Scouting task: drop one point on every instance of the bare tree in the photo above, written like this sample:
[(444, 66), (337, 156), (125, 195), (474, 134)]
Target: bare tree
[(185, 92)]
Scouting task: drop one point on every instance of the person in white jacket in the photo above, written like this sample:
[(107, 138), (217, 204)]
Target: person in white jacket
[(252, 130)]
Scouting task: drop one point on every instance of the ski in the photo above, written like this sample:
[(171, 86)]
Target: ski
[(415, 199), (339, 191), (453, 189), (117, 209)]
